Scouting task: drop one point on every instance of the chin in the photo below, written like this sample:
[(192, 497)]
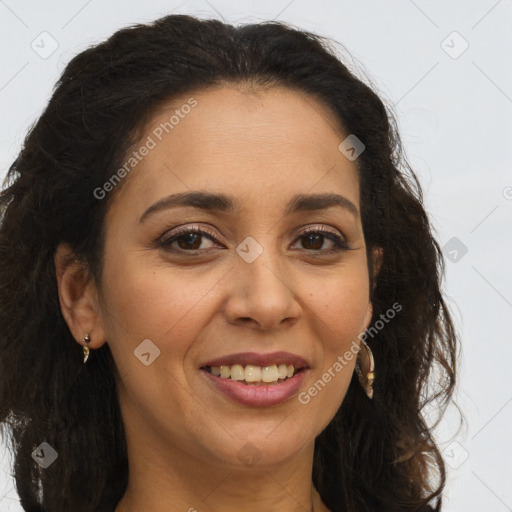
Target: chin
[(261, 451)]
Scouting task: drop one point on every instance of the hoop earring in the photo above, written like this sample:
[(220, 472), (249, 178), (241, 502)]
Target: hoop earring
[(86, 350), (369, 369)]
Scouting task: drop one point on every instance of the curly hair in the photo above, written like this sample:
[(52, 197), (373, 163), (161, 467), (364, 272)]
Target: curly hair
[(375, 454)]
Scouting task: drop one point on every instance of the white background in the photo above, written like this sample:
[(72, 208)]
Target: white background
[(455, 121)]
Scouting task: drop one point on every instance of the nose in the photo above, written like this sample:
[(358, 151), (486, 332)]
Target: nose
[(263, 293)]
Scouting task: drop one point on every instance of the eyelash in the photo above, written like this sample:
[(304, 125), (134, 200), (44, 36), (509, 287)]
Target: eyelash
[(166, 241)]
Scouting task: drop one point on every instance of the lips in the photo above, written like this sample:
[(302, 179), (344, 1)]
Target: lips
[(264, 389)]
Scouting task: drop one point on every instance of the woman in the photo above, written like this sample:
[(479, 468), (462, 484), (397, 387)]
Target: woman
[(221, 219)]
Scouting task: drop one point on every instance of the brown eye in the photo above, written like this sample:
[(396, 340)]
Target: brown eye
[(187, 239), (313, 240)]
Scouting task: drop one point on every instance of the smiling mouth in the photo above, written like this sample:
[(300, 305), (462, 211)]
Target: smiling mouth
[(255, 375)]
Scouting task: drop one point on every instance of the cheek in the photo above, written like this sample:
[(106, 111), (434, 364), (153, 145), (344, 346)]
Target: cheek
[(341, 310), (169, 306), (341, 304)]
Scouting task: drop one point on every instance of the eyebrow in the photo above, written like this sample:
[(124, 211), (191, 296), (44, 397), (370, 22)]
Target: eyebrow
[(221, 202)]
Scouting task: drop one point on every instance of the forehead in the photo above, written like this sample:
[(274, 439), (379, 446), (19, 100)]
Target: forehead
[(271, 143)]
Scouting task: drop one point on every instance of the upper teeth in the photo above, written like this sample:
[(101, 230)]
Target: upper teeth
[(252, 373)]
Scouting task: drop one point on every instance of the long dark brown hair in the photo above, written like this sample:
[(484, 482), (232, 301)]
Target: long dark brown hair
[(375, 454)]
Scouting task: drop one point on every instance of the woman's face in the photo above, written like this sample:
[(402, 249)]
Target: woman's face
[(255, 283)]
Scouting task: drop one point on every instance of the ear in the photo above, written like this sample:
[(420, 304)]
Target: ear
[(377, 256), (375, 264), (78, 297)]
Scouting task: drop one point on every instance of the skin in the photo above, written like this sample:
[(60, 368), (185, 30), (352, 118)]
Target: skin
[(261, 147)]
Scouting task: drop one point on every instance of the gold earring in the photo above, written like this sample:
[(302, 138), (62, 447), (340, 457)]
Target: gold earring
[(368, 369), (87, 339)]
